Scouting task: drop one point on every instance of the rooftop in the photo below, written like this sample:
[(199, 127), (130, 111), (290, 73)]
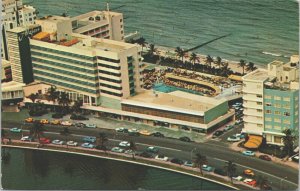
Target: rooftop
[(177, 101), (12, 86), (276, 63), (258, 75)]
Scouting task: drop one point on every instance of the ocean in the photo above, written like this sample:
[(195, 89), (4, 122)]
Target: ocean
[(259, 31)]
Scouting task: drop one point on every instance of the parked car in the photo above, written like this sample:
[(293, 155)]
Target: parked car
[(152, 149), (207, 168), (161, 157), (26, 138), (251, 183), (240, 135), (133, 132), (29, 120), (158, 134), (89, 139), (176, 161), (55, 122), (185, 139), (228, 127), (233, 138), (72, 143), (217, 133), (57, 142), (117, 150), (146, 154), (265, 157), (249, 172), (90, 126), (80, 125), (88, 145), (188, 163), (248, 153), (44, 121), (238, 178), (220, 171), (145, 132), (44, 140), (124, 144), (66, 123), (295, 158), (15, 130), (130, 152), (122, 130)]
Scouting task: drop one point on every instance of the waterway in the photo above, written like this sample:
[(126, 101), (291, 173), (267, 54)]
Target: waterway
[(261, 30), (36, 169)]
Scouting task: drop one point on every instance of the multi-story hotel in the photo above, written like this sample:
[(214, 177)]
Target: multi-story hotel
[(100, 24), (97, 69), (14, 14), (271, 100)]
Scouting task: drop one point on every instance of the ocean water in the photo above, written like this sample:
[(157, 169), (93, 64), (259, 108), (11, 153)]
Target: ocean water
[(260, 30)]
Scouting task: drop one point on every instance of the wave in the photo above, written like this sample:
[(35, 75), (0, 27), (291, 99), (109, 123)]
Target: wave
[(272, 54)]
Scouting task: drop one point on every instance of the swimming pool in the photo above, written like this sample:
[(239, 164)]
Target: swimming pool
[(161, 87)]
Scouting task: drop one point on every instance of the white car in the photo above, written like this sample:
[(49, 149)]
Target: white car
[(26, 138), (66, 123), (57, 142), (129, 152), (161, 157), (233, 138), (72, 143), (124, 144), (133, 131), (248, 180), (238, 178)]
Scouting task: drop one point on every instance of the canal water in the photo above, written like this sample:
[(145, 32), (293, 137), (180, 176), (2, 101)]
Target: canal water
[(32, 169)]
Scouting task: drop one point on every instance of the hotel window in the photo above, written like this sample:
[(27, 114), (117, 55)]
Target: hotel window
[(277, 113), (286, 114), (286, 99), (277, 120), (287, 122), (268, 104), (259, 110), (259, 103), (244, 85), (277, 139), (286, 106), (269, 138), (277, 98), (259, 125), (277, 105), (259, 96), (268, 97), (268, 111), (268, 119)]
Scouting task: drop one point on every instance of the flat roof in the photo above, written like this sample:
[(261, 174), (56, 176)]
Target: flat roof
[(276, 63), (257, 75), (177, 101), (12, 86), (86, 16)]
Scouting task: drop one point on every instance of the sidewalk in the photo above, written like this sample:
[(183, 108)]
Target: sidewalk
[(292, 164)]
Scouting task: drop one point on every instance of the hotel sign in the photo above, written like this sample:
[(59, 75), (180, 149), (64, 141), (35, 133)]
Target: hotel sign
[(29, 32)]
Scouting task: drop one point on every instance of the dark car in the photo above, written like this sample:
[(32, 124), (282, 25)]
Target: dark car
[(217, 133), (158, 134), (176, 161), (82, 125), (220, 171), (146, 154), (265, 157), (185, 139)]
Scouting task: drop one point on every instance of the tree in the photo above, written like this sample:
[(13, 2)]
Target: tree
[(218, 62), (152, 49), (209, 60), (101, 140), (250, 67), (33, 97), (142, 42), (77, 105), (199, 161), (65, 132), (288, 141), (180, 53), (225, 70), (132, 147), (231, 169), (64, 100), (242, 64), (37, 130), (52, 94), (194, 58), (261, 181)]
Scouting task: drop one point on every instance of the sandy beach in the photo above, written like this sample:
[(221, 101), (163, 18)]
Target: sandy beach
[(170, 52)]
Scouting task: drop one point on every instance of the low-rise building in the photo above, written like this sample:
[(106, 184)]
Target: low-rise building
[(12, 94)]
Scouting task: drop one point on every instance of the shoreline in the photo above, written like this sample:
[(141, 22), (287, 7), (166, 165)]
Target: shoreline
[(128, 159)]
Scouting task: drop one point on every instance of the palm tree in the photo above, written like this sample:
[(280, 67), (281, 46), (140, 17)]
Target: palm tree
[(225, 69), (37, 130), (77, 105), (194, 58), (132, 147), (52, 94), (101, 140), (218, 62), (209, 60), (288, 141), (242, 64), (33, 97), (199, 161), (250, 67), (180, 53), (231, 169), (142, 42), (152, 49), (261, 181), (64, 100), (65, 132)]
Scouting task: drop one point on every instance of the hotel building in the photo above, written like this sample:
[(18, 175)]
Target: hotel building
[(271, 100), (101, 71)]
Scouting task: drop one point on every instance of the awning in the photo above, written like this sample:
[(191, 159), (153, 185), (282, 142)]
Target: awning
[(235, 77), (41, 35), (253, 142)]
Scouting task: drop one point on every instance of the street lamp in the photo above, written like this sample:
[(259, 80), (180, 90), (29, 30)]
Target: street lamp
[(192, 153)]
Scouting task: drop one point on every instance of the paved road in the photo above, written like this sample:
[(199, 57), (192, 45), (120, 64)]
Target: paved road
[(217, 154)]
